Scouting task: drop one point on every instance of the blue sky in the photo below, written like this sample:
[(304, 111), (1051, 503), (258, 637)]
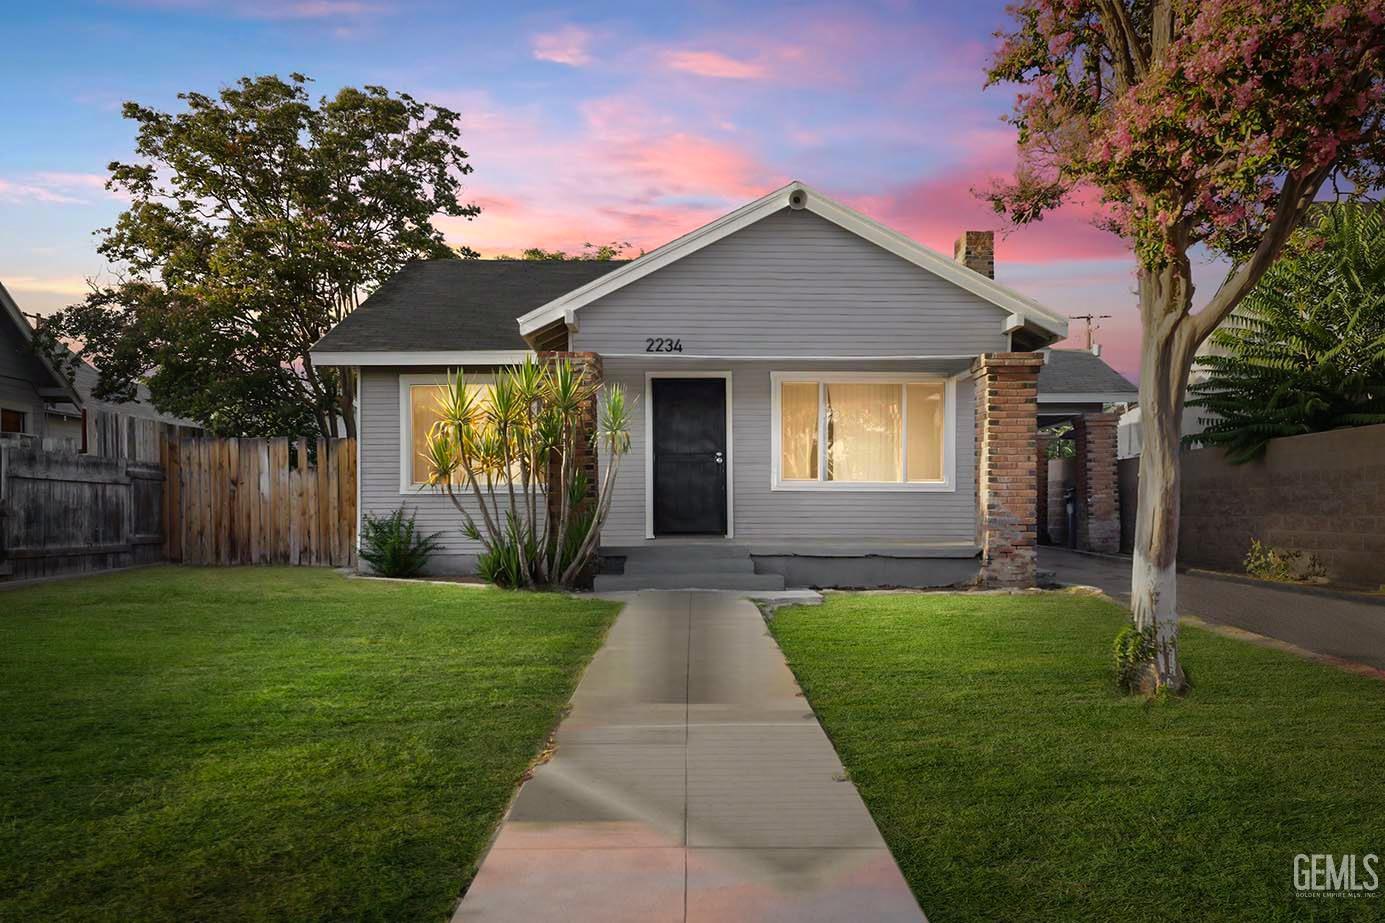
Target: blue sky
[(595, 122)]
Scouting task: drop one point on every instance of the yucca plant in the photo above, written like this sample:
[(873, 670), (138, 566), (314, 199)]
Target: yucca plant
[(1305, 350), (496, 455)]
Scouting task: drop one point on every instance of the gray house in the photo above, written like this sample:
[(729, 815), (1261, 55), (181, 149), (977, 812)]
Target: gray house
[(818, 399), (30, 387)]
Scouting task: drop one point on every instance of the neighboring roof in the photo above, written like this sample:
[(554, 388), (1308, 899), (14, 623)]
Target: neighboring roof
[(85, 377), (1024, 312), (456, 305), (1077, 375), (58, 387)]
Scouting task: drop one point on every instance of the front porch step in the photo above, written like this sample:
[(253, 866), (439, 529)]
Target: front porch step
[(608, 583), (689, 565)]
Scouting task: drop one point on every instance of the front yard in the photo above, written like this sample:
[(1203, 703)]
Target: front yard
[(1012, 782), (250, 743)]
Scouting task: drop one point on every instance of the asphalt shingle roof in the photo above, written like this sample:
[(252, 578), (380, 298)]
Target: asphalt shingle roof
[(1077, 371), (457, 304)]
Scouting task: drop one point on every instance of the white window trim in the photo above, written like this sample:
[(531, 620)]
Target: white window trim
[(947, 485), (649, 447)]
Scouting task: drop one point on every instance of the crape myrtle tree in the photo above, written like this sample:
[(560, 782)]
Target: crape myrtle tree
[(1211, 123), (257, 219)]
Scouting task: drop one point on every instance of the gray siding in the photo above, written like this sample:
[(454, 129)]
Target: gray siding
[(793, 284), (764, 514), (19, 371)]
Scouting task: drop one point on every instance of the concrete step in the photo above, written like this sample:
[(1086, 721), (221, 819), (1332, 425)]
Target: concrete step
[(676, 551), (689, 565), (606, 583)]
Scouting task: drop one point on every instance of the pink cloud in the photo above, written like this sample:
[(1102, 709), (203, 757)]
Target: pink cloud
[(569, 45), (713, 64)]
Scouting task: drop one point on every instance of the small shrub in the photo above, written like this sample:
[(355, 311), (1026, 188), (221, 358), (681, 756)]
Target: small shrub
[(1132, 651), (393, 546), (1270, 563)]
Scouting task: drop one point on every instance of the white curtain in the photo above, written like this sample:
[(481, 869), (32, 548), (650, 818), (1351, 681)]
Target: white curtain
[(925, 431), (798, 431), (863, 432)]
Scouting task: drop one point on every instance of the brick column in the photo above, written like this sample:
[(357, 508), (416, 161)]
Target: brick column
[(1098, 494), (1006, 483), (1042, 441), (588, 364)]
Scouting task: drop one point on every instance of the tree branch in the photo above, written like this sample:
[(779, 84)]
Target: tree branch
[(1294, 200)]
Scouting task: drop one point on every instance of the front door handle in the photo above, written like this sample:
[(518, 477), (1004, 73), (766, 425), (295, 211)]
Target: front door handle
[(719, 458)]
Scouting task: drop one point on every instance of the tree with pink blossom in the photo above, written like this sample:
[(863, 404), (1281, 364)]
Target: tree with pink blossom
[(1193, 122)]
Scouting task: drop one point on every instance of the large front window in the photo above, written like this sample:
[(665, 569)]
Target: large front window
[(861, 431), (421, 406)]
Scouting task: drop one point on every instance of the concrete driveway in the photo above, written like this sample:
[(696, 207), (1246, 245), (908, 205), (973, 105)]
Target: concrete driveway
[(1345, 628), (691, 781)]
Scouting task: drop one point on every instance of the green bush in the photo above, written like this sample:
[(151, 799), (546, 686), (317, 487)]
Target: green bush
[(1133, 649), (393, 546)]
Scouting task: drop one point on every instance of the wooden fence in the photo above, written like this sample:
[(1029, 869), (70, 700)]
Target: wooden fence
[(260, 501), (63, 513)]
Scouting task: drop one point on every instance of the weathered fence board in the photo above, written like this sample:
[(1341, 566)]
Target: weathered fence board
[(251, 501), (64, 513)]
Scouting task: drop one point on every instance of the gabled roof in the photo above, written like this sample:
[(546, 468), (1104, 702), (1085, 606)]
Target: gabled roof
[(446, 306), (1023, 311), (58, 387), (1080, 375)]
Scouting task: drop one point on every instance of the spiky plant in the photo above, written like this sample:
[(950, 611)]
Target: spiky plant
[(1305, 350)]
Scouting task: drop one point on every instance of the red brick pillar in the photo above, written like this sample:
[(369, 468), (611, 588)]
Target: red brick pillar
[(588, 364), (1098, 494), (1006, 480), (1042, 441)]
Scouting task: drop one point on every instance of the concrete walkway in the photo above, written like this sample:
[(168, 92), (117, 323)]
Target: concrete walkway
[(1344, 628), (691, 781)]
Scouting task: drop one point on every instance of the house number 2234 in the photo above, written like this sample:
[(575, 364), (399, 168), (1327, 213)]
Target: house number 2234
[(662, 345)]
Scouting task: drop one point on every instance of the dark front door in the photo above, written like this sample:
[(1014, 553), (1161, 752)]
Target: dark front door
[(689, 456)]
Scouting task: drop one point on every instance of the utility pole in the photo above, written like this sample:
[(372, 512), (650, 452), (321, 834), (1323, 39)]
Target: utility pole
[(1092, 326)]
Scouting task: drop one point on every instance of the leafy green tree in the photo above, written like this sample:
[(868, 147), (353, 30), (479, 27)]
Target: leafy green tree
[(1305, 351), (600, 253), (257, 220)]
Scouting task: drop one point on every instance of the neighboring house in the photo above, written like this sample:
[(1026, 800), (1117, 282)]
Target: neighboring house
[(805, 385), (1078, 381), (30, 386), (39, 401)]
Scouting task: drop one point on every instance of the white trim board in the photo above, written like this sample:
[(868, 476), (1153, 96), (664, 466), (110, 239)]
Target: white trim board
[(947, 485), (799, 196), (649, 447), (454, 357)]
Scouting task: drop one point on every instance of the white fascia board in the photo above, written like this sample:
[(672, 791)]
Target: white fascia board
[(1089, 397), (425, 357), (565, 306)]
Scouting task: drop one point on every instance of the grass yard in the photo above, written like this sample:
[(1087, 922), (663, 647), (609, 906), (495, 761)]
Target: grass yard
[(256, 743), (1013, 783)]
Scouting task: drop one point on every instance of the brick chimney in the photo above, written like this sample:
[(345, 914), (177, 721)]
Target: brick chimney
[(976, 251)]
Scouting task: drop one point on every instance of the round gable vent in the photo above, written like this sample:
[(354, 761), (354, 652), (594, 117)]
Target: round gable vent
[(798, 198)]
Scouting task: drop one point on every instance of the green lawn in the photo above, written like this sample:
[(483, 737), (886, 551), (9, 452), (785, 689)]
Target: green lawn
[(254, 743), (1013, 783)]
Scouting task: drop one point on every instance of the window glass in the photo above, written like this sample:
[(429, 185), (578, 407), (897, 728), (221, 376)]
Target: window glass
[(925, 431), (798, 435), (863, 432), (423, 413), (11, 421)]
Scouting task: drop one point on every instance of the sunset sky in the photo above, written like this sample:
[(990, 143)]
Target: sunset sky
[(593, 122)]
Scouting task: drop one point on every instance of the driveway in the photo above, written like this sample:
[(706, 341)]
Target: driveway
[(1350, 629), (690, 781)]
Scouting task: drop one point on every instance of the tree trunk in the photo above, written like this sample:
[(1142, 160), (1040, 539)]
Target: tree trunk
[(348, 400), (1167, 347)]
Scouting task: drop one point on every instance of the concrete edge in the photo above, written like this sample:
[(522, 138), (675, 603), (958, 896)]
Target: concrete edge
[(1250, 637), (1374, 599)]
